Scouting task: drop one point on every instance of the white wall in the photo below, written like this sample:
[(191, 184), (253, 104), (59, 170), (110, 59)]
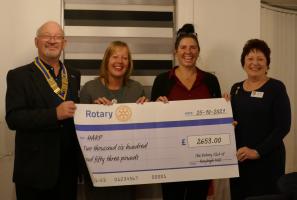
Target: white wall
[(5, 49)]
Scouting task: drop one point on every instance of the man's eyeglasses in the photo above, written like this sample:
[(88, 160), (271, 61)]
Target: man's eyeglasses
[(57, 38)]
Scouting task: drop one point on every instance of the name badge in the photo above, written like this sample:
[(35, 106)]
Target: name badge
[(257, 94)]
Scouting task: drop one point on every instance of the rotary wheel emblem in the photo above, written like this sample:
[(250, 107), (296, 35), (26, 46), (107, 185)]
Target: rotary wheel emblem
[(123, 113)]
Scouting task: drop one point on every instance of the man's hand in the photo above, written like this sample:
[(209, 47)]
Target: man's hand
[(65, 110)]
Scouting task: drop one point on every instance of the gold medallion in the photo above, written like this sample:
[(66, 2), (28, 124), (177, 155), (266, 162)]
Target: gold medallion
[(61, 92)]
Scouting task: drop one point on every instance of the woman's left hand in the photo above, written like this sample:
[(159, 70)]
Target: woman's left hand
[(245, 153), (103, 100), (227, 96), (142, 99)]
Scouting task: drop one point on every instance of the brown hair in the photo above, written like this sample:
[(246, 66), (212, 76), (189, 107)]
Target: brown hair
[(255, 44), (108, 52), (186, 31)]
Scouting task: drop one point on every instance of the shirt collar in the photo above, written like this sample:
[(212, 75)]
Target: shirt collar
[(50, 68)]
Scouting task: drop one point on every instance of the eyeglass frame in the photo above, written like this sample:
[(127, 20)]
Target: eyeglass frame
[(58, 38)]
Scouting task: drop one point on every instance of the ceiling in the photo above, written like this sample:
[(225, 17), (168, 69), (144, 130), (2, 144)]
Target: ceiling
[(286, 4)]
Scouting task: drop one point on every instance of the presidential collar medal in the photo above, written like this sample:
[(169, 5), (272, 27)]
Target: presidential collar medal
[(61, 92)]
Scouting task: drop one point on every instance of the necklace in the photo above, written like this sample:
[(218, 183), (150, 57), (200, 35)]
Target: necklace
[(252, 86), (116, 96), (61, 92)]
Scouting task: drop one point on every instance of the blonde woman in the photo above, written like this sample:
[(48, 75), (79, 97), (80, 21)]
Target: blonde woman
[(112, 86)]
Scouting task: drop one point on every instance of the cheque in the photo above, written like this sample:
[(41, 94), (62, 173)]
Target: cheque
[(154, 142)]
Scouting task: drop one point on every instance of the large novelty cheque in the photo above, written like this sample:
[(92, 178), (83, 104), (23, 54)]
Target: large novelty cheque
[(154, 142)]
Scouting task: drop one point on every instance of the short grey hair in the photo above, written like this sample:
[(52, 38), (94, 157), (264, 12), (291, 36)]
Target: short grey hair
[(39, 30)]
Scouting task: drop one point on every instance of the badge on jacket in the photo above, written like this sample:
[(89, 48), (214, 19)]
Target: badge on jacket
[(257, 94)]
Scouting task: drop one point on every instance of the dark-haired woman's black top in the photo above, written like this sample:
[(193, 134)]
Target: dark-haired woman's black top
[(264, 119), (164, 83)]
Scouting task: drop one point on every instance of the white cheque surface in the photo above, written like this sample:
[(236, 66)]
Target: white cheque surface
[(127, 144)]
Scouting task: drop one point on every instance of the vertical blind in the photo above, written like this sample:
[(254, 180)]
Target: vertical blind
[(279, 30), (145, 25)]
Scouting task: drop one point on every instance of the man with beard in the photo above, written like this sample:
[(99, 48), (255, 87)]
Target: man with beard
[(40, 105)]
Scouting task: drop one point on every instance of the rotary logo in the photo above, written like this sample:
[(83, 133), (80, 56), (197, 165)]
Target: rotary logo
[(123, 113)]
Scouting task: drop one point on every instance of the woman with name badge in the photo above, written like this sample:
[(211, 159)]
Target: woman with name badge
[(112, 86), (183, 82), (262, 113)]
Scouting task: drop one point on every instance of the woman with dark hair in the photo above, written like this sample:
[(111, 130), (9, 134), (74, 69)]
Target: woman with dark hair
[(183, 82), (261, 108)]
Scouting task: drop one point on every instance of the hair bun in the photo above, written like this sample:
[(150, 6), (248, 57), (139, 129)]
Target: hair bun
[(186, 31), (186, 28)]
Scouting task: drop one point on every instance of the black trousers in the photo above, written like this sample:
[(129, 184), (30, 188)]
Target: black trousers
[(288, 185), (189, 190), (269, 197), (106, 193), (64, 189)]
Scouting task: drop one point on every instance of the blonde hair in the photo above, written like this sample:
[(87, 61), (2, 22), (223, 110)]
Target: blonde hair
[(103, 73)]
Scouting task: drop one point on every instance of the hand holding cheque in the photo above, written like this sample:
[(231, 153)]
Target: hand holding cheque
[(127, 144)]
